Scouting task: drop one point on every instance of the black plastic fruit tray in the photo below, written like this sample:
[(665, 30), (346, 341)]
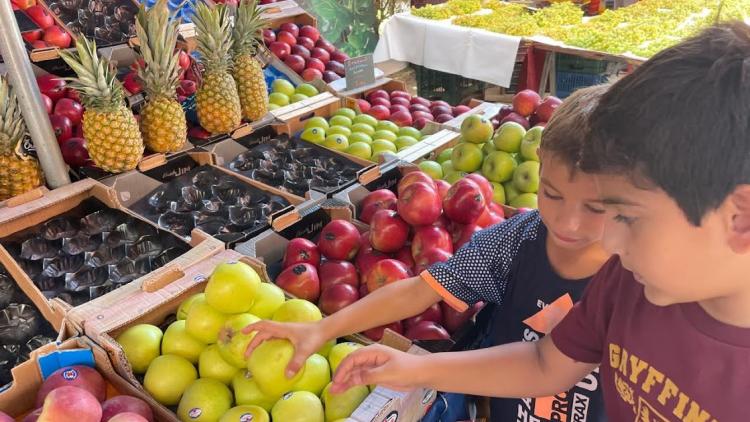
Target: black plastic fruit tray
[(91, 250)]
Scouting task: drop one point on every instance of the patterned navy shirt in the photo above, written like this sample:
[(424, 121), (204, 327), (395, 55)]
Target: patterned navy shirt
[(507, 265)]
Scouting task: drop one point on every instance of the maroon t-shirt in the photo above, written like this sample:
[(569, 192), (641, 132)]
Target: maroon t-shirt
[(670, 363)]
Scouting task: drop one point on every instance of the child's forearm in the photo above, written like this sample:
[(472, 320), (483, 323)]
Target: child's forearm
[(394, 302), (532, 369)]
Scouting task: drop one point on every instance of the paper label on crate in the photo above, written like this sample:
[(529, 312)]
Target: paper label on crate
[(360, 71)]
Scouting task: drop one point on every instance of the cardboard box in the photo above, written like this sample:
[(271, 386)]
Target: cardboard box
[(18, 400), (15, 220), (287, 11)]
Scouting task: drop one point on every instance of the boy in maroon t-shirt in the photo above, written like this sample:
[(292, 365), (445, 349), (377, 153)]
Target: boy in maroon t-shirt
[(668, 318)]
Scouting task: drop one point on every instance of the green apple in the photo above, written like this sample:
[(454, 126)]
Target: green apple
[(476, 129), (297, 310), (526, 177), (204, 322), (363, 128), (447, 167), (246, 414), (246, 391), (317, 121), (380, 145), (269, 298), (279, 99), (339, 352), (340, 130), (498, 167), (306, 89), (530, 143), (360, 149), (182, 311), (388, 126), (432, 168), (232, 287), (317, 375), (517, 157), (141, 344), (385, 134), (455, 176), (445, 155), (268, 364), (272, 106), (510, 191), (360, 137), (366, 119), (342, 405), (178, 342), (297, 98), (403, 142), (467, 157), (206, 400), (336, 142), (340, 120), (282, 86), (524, 200), (315, 135), (498, 193), (488, 148), (509, 136), (326, 349), (346, 112), (298, 406), (410, 131), (232, 342), (168, 377), (212, 365)]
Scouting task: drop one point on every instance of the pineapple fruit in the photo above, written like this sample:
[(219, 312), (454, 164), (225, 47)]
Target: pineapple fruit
[(113, 138), (217, 101), (162, 118), (247, 70), (18, 173)]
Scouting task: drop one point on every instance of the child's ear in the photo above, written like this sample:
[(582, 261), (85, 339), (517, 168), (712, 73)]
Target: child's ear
[(739, 235)]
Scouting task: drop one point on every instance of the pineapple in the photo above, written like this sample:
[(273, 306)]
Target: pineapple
[(18, 173), (162, 119), (113, 138), (247, 71), (217, 102)]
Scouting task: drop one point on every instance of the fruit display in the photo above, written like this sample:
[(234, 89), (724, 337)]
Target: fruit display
[(296, 166), (210, 200), (108, 22), (284, 93), (527, 109), (198, 366), (22, 327), (306, 52), (48, 33), (361, 135), (89, 251), (406, 110), (448, 9), (19, 172), (247, 69)]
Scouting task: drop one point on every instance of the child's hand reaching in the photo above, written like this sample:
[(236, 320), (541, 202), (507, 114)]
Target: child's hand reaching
[(306, 338), (377, 365)]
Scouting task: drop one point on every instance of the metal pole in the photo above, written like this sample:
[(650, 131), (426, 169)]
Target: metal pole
[(22, 78)]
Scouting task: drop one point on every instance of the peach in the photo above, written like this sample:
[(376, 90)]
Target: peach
[(126, 404), (128, 417), (70, 404), (80, 376)]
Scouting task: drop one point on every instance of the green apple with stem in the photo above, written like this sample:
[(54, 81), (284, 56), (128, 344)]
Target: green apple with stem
[(488, 148), (467, 157), (498, 167), (525, 200), (526, 177), (432, 168), (530, 144), (447, 167), (498, 193), (509, 136), (455, 176), (476, 129)]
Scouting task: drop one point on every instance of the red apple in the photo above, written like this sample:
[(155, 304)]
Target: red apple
[(495, 123), (325, 45), (47, 101), (320, 54), (464, 202), (300, 51), (419, 114), (130, 416), (364, 105), (437, 110), (33, 35), (40, 16), (198, 132), (401, 94), (187, 88), (295, 62), (434, 313), (378, 93), (367, 257), (442, 118), (337, 67), (419, 204), (335, 272), (123, 404), (286, 37), (311, 74), (384, 272), (496, 208), (291, 28), (57, 37), (430, 237), (504, 111), (385, 102), (62, 126), (301, 280), (337, 297), (310, 32), (484, 184), (51, 86), (547, 108), (423, 101), (419, 123), (402, 101), (419, 107), (70, 109), (78, 131), (442, 188), (38, 44), (71, 404), (399, 108), (515, 117), (375, 201), (329, 76), (388, 231), (339, 56), (526, 102), (184, 59), (301, 251), (401, 118), (429, 257), (376, 334), (313, 63), (404, 255), (306, 42), (462, 234), (379, 112), (413, 177), (339, 240), (454, 320), (488, 218), (268, 36), (79, 376), (280, 49), (461, 109), (439, 103), (444, 224), (132, 83), (427, 330)]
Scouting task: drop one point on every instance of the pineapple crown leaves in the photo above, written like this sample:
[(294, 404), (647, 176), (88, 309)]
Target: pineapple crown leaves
[(96, 82), (214, 36), (12, 126), (248, 27), (158, 36)]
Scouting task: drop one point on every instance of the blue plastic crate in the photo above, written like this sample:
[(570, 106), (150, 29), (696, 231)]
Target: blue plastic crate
[(567, 82)]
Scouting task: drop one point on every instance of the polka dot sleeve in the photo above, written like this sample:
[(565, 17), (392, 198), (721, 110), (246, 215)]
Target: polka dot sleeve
[(481, 269)]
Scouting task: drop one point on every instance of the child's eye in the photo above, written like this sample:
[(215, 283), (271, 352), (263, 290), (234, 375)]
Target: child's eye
[(550, 196), (625, 220), (595, 210)]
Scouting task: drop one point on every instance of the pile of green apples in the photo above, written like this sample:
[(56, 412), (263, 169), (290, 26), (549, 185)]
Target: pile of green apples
[(199, 363), (284, 93), (508, 158), (359, 134)]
